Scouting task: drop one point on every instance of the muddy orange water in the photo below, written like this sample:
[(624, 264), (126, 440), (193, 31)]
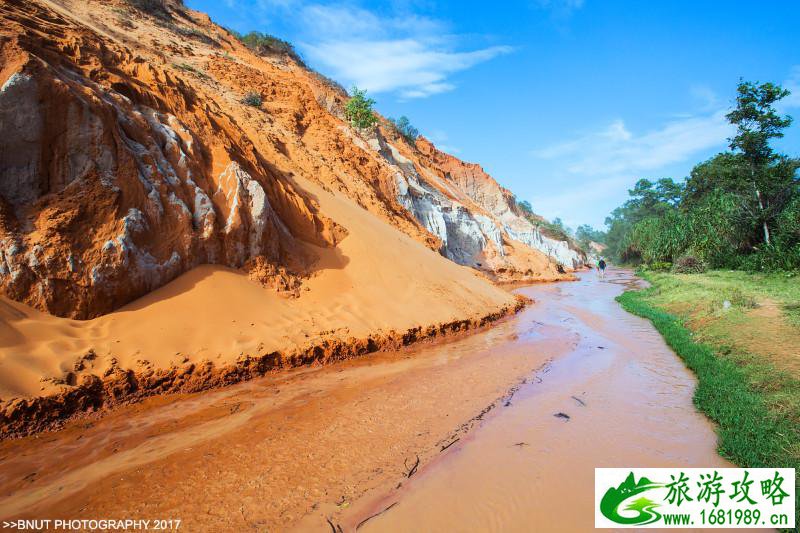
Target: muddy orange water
[(322, 447)]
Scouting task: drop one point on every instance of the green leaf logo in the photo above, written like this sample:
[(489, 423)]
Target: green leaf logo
[(644, 507)]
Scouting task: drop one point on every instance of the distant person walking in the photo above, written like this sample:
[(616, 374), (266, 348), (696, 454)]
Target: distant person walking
[(601, 268)]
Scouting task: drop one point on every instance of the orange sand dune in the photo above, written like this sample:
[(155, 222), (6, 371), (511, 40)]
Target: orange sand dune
[(377, 279)]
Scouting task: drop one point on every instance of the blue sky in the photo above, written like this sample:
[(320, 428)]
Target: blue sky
[(565, 102)]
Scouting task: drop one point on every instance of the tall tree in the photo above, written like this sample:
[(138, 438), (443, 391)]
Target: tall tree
[(757, 122), (586, 234)]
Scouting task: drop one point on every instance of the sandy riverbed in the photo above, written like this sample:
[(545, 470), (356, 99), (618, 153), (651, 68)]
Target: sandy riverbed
[(298, 448)]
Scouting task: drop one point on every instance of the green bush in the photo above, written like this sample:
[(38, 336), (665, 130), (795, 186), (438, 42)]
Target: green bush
[(771, 258), (157, 8), (738, 209), (403, 126), (660, 266), (660, 238), (265, 44), (719, 229), (358, 110), (787, 227), (525, 206), (252, 99)]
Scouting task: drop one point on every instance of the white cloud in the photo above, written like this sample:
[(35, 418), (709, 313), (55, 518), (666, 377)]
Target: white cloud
[(594, 169), (440, 139), (270, 5), (401, 52), (793, 84), (705, 96), (617, 132), (614, 149), (339, 21), (411, 55), (413, 68)]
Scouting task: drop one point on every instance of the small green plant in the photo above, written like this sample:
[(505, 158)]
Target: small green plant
[(252, 99), (403, 126), (186, 67), (193, 33), (157, 8), (358, 110), (739, 298), (660, 266)]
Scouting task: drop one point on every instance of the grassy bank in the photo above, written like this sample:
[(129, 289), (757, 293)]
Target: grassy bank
[(740, 334)]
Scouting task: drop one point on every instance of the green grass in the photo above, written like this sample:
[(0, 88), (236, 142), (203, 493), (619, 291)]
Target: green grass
[(783, 287), (755, 405), (744, 290)]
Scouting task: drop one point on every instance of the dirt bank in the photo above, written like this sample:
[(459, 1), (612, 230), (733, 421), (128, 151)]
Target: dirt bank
[(118, 386), (131, 156)]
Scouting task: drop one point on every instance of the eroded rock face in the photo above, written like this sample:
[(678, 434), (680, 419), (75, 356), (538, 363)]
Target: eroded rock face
[(472, 181), (127, 158), (113, 184), (471, 215), (21, 129), (462, 239)]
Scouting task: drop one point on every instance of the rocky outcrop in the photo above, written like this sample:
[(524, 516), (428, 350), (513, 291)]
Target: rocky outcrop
[(128, 158), (115, 177), (497, 204), (473, 217)]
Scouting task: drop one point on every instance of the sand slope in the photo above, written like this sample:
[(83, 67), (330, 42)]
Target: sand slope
[(378, 279), (139, 192)]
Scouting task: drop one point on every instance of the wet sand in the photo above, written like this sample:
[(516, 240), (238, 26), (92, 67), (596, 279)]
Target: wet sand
[(296, 449)]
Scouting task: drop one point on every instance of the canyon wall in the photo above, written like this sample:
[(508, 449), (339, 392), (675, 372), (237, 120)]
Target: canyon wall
[(128, 157)]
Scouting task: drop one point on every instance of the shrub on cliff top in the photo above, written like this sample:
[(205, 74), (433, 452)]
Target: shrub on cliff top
[(157, 8), (330, 82), (358, 110), (525, 206), (264, 44)]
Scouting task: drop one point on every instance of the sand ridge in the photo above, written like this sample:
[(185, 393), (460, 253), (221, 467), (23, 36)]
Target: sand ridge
[(213, 325)]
